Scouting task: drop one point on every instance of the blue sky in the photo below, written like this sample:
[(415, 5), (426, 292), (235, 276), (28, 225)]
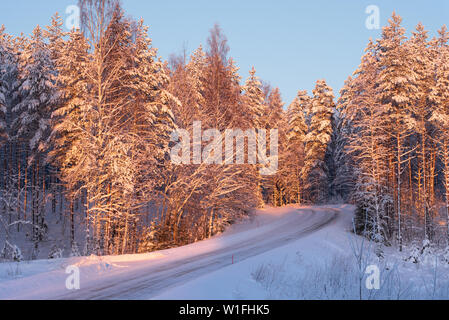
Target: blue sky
[(291, 43)]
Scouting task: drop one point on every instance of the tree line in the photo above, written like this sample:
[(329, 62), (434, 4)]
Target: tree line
[(394, 111), (86, 123)]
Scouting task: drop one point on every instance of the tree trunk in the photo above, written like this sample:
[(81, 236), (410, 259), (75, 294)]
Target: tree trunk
[(33, 212), (399, 158), (18, 190), (446, 183), (211, 223), (25, 188), (72, 224), (125, 235)]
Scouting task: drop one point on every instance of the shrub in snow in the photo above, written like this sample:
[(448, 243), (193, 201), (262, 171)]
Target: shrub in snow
[(148, 242), (378, 250), (11, 252), (415, 254), (422, 254), (360, 219), (14, 270), (16, 254), (55, 253), (446, 255), (97, 249), (269, 275), (427, 252), (75, 252), (35, 252), (3, 253)]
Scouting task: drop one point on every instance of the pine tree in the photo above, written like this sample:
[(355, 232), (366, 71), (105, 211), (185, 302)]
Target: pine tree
[(55, 36), (31, 124), (38, 91), (10, 51), (254, 99), (275, 109), (317, 141), (396, 88), (296, 114), (365, 120), (254, 104), (275, 119), (152, 125), (440, 117), (70, 117), (421, 110), (340, 173), (4, 65), (296, 137)]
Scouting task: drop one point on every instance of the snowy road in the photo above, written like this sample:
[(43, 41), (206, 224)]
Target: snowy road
[(150, 281), (283, 253), (146, 276)]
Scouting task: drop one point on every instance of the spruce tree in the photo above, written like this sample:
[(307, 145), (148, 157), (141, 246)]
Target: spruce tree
[(317, 141)]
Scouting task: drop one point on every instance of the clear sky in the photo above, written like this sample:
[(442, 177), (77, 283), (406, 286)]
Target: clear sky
[(291, 43)]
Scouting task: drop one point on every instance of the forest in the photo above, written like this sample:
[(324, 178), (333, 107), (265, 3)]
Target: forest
[(86, 124)]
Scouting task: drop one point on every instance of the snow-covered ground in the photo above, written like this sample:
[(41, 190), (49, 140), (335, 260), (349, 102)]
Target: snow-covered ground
[(287, 253)]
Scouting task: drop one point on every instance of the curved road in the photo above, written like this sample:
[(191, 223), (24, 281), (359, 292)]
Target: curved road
[(150, 281)]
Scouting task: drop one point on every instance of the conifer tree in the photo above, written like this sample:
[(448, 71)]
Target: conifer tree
[(317, 141), (396, 88), (295, 149), (440, 117), (254, 99), (38, 91)]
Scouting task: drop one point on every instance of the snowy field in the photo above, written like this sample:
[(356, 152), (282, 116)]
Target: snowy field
[(287, 253)]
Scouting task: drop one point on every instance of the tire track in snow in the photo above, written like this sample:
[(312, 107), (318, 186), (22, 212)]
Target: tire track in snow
[(153, 280)]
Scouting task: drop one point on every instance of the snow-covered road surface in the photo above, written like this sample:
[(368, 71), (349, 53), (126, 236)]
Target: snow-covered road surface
[(151, 281), (149, 275)]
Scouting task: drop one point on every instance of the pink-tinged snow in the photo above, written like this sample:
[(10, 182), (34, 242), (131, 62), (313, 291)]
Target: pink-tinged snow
[(45, 279), (287, 253), (254, 278)]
